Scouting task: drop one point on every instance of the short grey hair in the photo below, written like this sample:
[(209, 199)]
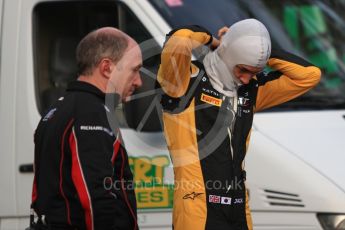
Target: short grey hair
[(98, 45)]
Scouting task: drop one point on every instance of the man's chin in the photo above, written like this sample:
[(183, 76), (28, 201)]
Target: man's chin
[(126, 99)]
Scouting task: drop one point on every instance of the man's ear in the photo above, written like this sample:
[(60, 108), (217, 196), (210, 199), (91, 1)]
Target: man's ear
[(106, 67)]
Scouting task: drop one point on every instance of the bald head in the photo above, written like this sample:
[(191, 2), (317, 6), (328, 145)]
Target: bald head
[(106, 42)]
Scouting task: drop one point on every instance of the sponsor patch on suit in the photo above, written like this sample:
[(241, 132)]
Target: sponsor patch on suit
[(211, 100)]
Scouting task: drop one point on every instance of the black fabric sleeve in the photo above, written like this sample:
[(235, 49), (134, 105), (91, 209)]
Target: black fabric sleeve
[(94, 150)]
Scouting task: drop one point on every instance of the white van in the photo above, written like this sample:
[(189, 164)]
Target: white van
[(295, 163)]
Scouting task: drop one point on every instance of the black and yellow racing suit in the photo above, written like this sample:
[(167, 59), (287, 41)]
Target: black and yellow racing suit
[(207, 133)]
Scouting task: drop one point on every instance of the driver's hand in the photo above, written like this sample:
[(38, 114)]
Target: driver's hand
[(222, 31), (215, 43)]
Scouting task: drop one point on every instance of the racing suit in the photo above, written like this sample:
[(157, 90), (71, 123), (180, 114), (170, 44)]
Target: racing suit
[(207, 132), (82, 176)]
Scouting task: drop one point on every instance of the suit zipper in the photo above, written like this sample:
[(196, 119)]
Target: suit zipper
[(231, 149), (232, 124), (230, 130)]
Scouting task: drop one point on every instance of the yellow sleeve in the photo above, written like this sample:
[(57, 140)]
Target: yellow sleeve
[(248, 212), (294, 77), (175, 69)]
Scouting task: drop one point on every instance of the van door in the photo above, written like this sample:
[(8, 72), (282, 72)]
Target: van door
[(9, 47)]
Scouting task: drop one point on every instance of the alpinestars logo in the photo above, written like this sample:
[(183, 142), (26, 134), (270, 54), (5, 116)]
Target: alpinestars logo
[(192, 195)]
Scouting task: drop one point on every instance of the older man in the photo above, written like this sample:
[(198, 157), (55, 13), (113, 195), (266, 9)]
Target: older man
[(81, 168)]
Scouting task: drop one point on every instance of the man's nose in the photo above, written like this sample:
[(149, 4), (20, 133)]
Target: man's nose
[(245, 79), (138, 82)]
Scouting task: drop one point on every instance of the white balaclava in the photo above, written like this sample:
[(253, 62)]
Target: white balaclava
[(246, 42)]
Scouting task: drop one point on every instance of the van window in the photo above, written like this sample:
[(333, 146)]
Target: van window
[(1, 15), (317, 30), (55, 41), (311, 28)]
